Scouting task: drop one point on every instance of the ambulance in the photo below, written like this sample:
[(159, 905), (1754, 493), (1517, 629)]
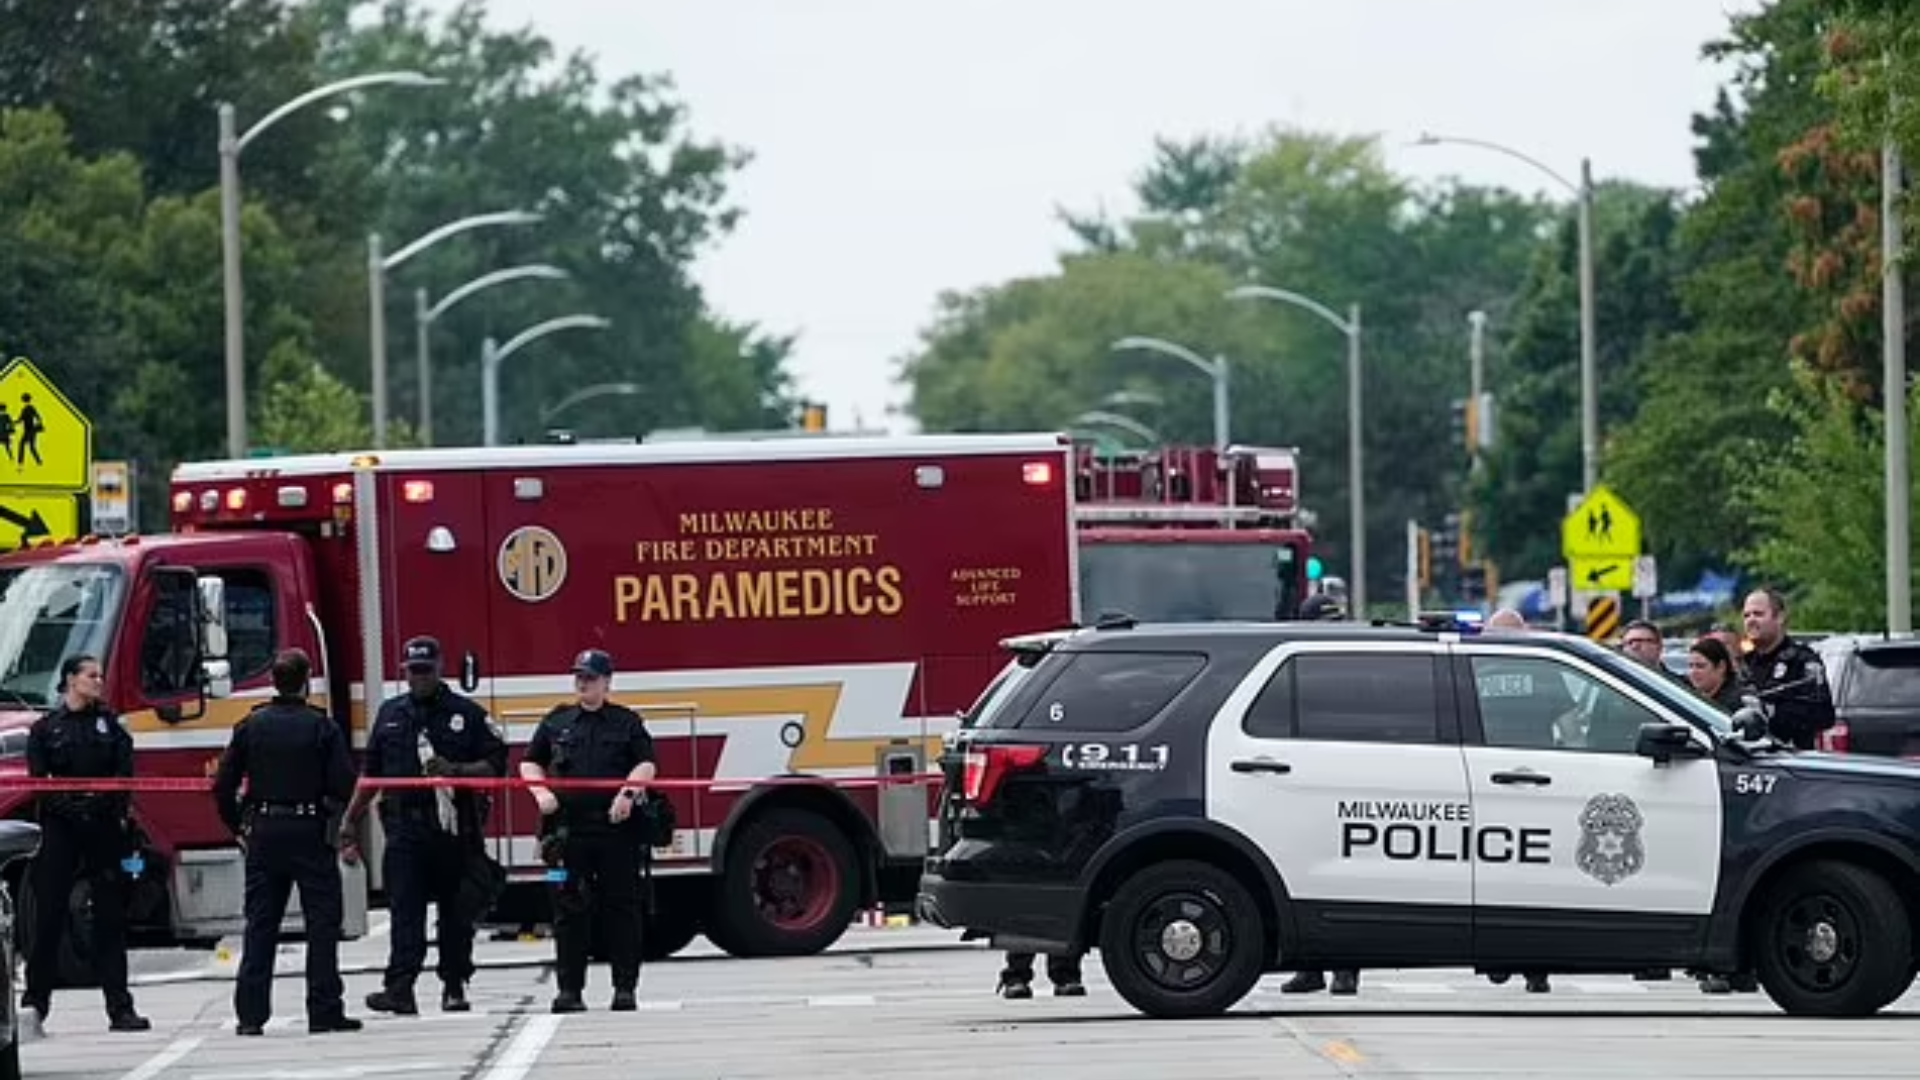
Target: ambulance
[(817, 608)]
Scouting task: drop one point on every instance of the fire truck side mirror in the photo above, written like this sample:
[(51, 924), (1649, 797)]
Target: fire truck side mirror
[(213, 618), (219, 678)]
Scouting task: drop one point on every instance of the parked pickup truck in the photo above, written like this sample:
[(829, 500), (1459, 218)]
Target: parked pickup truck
[(1876, 692)]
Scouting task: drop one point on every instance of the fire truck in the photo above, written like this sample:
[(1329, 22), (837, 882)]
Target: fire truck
[(1190, 534), (777, 608)]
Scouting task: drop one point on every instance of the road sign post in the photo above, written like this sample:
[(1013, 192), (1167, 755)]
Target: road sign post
[(115, 499), (1646, 583), (46, 458)]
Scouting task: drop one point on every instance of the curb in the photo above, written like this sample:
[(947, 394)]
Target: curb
[(223, 968)]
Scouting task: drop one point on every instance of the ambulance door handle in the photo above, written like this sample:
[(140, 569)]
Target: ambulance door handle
[(1524, 776), (1265, 765)]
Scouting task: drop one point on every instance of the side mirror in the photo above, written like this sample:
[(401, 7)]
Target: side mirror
[(18, 840), (218, 678), (213, 618), (470, 672), (1664, 742)]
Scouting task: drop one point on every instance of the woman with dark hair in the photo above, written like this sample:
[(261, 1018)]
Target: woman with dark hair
[(1714, 673)]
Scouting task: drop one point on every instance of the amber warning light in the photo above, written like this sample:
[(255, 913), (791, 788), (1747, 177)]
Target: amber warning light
[(1037, 472)]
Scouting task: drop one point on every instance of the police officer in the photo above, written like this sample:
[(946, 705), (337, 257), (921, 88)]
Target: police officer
[(84, 835), (294, 760), (433, 837), (585, 832), (1801, 702)]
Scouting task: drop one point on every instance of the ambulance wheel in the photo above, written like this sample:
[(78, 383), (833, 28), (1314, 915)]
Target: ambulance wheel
[(672, 926), (1833, 939), (789, 888), (74, 963), (1182, 939)]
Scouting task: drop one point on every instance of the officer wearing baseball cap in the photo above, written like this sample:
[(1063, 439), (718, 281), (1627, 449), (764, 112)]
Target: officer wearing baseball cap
[(434, 837), (594, 856)]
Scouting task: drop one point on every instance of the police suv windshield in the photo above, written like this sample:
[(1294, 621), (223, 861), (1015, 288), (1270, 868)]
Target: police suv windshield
[(1661, 688), (48, 612), (1188, 581)]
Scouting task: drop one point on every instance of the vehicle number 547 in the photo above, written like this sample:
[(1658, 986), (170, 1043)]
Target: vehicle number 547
[(1754, 783)]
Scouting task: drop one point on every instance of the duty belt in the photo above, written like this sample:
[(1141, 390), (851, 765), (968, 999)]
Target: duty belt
[(285, 809)]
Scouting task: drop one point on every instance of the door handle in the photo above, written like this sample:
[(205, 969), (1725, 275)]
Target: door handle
[(1526, 776), (1265, 765)]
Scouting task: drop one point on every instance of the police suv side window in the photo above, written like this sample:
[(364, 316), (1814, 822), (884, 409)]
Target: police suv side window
[(1371, 698), (1532, 703), (1111, 691)]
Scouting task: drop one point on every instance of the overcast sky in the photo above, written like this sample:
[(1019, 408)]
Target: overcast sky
[(904, 147)]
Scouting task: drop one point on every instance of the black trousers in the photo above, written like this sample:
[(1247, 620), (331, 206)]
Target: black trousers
[(71, 852), (602, 883), (423, 864), (1061, 970), (282, 853)]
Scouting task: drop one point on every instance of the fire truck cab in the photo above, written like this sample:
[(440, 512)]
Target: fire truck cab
[(1190, 534)]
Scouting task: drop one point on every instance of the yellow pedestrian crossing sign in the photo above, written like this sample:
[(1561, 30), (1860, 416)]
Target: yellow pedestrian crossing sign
[(47, 443), (1601, 531)]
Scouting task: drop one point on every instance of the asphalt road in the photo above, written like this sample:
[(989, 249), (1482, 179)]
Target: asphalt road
[(909, 1003)]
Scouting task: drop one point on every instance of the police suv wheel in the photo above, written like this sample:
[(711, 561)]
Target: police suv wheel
[(1182, 939), (1833, 939)]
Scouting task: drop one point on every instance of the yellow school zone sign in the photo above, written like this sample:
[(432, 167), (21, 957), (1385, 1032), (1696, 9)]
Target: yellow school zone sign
[(46, 444)]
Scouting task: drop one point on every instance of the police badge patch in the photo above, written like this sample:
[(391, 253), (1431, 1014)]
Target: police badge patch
[(1610, 850)]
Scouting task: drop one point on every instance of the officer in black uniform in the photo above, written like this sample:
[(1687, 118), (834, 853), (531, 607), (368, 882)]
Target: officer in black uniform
[(84, 835), (433, 837), (1787, 674), (586, 837), (294, 760)]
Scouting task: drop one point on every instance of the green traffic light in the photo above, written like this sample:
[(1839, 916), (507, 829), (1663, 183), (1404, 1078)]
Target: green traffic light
[(1314, 568)]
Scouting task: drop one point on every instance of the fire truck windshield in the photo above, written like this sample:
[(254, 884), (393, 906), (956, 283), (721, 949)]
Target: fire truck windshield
[(49, 612), (1190, 581)]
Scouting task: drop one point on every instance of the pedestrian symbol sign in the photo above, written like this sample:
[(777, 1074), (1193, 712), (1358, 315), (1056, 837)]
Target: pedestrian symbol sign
[(47, 443), (1603, 529)]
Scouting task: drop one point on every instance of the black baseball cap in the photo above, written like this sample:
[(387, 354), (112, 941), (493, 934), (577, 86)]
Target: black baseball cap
[(422, 654), (593, 662)]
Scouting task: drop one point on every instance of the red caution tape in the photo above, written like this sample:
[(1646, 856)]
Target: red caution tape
[(153, 784)]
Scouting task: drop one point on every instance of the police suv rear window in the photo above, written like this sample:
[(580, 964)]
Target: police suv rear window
[(1104, 691)]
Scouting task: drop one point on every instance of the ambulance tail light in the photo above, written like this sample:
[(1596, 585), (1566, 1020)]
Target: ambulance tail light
[(182, 502), (1037, 473), (987, 767), (1837, 739)]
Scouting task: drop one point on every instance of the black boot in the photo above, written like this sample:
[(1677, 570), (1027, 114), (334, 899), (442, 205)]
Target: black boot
[(1014, 989), (1306, 982), (1346, 983), (625, 1001), (125, 1019), (568, 1001), (396, 998), (454, 998)]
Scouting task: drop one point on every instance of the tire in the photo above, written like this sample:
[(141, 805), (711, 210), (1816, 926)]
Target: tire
[(10, 1059), (1833, 939), (1183, 939), (789, 887)]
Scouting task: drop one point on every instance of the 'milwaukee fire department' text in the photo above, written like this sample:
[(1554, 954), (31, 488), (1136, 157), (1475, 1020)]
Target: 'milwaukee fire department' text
[(687, 578)]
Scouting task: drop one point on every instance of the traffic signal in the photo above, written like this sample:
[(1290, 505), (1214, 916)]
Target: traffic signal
[(1474, 583), (1426, 558), (1315, 568), (813, 417)]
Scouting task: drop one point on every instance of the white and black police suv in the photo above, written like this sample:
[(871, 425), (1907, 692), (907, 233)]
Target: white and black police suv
[(1206, 803)]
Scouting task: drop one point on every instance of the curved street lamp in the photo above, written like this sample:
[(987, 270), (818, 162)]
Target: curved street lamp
[(492, 356), (588, 393), (1356, 462), (377, 267), (1215, 369), (230, 146), (1115, 420), (1589, 366), (425, 315)]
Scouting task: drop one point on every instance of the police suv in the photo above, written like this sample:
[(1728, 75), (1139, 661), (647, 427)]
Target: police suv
[(1205, 803)]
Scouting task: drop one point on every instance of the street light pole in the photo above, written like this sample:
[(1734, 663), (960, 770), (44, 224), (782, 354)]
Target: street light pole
[(1476, 383), (377, 267), (1893, 359), (1356, 427), (492, 356), (588, 393), (1589, 360), (1215, 369), (230, 146), (425, 316)]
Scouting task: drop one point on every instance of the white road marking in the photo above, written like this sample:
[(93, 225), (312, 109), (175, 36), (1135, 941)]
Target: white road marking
[(160, 1062), (525, 1048), (338, 1072), (837, 1001)]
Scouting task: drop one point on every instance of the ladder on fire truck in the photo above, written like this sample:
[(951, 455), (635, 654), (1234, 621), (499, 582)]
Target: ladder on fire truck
[(1242, 487)]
